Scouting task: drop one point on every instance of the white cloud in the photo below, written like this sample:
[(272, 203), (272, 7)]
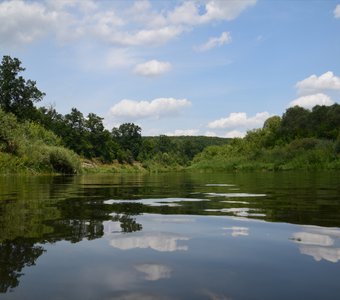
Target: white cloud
[(187, 13), (312, 84), (139, 23), (183, 132), (148, 37), (213, 10), (235, 134), (225, 10), (130, 109), (337, 11), (240, 119), (84, 5), (24, 22), (152, 68), (311, 100), (224, 38)]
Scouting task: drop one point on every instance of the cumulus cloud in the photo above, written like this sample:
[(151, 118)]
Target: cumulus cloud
[(225, 10), (183, 132), (240, 119), (149, 37), (132, 25), (85, 5), (311, 100), (337, 11), (224, 38), (131, 109), (24, 22), (312, 84), (213, 10), (152, 68)]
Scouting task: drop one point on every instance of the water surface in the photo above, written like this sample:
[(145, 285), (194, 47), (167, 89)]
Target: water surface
[(229, 236)]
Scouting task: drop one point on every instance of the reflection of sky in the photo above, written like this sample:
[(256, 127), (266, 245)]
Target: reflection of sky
[(140, 296), (319, 253), (238, 231), (219, 184), (234, 195), (110, 227), (308, 238), (159, 241), (154, 272), (239, 211), (235, 202), (156, 202), (320, 243), (176, 220)]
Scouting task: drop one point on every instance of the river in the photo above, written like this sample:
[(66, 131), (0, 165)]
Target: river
[(234, 236)]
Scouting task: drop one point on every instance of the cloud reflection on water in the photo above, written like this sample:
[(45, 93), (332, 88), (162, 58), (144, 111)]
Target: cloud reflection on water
[(239, 211), (234, 195), (238, 231), (307, 238), (154, 272), (319, 253), (156, 202), (320, 243), (220, 184), (159, 241)]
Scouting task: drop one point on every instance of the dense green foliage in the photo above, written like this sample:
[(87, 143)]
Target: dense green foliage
[(16, 94), (85, 136), (28, 147), (301, 139), (174, 151)]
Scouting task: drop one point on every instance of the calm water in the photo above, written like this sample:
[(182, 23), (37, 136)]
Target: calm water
[(171, 236)]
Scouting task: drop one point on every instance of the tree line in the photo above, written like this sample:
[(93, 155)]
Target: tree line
[(300, 139)]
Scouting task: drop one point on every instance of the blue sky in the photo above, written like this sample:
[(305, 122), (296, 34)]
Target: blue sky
[(200, 67)]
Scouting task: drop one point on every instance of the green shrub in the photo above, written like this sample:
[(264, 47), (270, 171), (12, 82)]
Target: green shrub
[(63, 160), (28, 147)]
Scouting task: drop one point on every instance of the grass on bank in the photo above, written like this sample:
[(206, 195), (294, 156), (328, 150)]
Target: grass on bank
[(29, 148), (301, 154)]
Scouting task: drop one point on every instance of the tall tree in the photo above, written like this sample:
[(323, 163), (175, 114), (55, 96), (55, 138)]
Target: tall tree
[(17, 95), (75, 135), (129, 137)]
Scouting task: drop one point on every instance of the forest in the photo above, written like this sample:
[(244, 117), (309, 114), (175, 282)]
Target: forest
[(41, 140)]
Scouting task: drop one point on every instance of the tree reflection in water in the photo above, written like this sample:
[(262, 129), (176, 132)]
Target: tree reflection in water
[(21, 252), (14, 256)]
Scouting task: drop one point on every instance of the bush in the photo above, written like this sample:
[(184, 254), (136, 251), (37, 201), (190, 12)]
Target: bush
[(28, 147), (63, 160)]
